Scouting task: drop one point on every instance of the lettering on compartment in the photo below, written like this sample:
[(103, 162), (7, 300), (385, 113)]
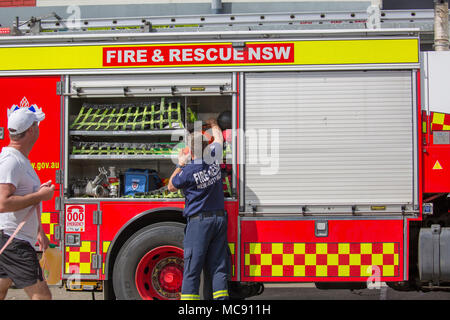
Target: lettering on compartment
[(199, 54)]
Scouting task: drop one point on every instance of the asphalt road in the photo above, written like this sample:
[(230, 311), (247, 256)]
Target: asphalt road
[(305, 291), (310, 292)]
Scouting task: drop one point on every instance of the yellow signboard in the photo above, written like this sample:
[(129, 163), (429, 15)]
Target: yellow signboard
[(308, 52)]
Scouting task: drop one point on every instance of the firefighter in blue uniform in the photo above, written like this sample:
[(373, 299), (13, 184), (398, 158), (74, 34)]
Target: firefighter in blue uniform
[(198, 174)]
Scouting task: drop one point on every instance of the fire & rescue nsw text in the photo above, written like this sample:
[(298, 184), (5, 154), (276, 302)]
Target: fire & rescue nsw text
[(198, 54)]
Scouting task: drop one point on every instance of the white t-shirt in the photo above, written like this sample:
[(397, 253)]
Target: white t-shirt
[(16, 169)]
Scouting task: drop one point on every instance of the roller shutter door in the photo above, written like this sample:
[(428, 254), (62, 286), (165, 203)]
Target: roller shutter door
[(342, 138)]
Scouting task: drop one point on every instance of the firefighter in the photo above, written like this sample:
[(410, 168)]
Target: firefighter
[(21, 192), (198, 174)]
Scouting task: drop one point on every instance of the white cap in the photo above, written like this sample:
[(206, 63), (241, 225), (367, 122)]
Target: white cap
[(20, 119)]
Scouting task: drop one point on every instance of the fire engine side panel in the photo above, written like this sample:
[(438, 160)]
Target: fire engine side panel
[(45, 156), (39, 91), (81, 241), (118, 215), (436, 129), (437, 169), (353, 250)]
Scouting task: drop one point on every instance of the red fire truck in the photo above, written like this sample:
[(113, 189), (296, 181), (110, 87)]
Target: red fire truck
[(337, 158)]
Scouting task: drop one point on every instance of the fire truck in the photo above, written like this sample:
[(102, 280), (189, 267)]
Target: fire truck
[(336, 162)]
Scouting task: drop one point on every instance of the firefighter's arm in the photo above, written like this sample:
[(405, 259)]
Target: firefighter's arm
[(170, 186), (216, 131), (183, 158)]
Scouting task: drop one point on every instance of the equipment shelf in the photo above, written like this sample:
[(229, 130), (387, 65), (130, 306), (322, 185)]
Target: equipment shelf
[(123, 157), (128, 133)]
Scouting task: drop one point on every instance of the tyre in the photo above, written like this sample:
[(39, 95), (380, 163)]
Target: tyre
[(402, 286), (149, 266)]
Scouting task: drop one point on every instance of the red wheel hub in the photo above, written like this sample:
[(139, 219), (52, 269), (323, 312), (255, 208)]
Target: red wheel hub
[(171, 278), (159, 274)]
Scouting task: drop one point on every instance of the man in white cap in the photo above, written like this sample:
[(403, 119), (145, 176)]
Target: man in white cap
[(21, 192)]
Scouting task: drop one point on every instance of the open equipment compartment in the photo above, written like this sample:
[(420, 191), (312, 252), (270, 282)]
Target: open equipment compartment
[(125, 131)]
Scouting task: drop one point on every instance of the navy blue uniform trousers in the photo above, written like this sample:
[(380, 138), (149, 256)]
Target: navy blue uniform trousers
[(206, 246)]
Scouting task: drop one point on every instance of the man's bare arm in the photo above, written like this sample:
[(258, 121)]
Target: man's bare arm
[(10, 202)]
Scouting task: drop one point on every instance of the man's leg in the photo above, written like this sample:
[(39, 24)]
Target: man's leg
[(218, 260), (195, 246), (5, 280), (5, 283), (206, 280), (39, 291), (19, 262)]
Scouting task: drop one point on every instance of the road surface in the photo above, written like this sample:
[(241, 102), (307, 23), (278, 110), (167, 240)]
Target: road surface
[(281, 291)]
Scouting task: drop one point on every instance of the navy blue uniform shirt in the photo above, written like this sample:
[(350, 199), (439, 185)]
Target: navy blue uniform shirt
[(202, 186)]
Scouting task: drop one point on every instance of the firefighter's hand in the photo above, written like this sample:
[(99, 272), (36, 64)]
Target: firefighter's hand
[(216, 131), (184, 157), (212, 122)]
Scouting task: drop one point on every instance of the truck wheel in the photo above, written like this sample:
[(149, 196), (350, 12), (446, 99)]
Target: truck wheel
[(149, 266), (402, 286)]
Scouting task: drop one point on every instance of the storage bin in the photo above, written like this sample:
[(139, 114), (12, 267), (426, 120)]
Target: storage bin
[(136, 180), (141, 180)]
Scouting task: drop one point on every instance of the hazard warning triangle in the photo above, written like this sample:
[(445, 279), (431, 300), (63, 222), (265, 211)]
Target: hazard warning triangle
[(437, 166)]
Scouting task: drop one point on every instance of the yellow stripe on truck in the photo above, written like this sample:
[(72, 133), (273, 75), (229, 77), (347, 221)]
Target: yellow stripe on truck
[(310, 52), (356, 52)]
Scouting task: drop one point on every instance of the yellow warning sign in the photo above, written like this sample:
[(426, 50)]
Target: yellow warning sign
[(437, 166)]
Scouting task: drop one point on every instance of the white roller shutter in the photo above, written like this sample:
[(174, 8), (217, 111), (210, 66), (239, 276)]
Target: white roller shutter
[(344, 138)]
